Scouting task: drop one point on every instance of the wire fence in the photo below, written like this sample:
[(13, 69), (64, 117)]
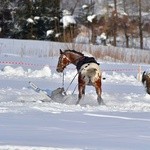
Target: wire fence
[(50, 49)]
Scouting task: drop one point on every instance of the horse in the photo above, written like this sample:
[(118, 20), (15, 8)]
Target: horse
[(88, 69), (146, 80)]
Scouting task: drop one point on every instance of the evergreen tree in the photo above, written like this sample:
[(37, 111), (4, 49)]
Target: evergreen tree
[(5, 18), (34, 17)]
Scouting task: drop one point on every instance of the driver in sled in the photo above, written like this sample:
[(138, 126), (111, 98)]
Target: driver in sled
[(59, 93)]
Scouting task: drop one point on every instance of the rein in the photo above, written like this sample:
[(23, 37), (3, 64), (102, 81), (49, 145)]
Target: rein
[(75, 61), (70, 82), (63, 80)]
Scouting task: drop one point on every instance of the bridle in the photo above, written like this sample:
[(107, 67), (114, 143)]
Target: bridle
[(66, 58), (74, 62), (63, 56), (68, 61)]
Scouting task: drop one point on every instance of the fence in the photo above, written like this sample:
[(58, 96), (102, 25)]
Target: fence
[(47, 49)]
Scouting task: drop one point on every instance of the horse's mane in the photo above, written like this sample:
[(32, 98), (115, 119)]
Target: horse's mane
[(74, 51)]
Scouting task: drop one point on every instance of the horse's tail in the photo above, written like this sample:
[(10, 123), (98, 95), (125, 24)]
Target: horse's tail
[(91, 72)]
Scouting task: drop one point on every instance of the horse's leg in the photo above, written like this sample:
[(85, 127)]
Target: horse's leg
[(80, 89), (99, 92), (99, 98), (83, 90)]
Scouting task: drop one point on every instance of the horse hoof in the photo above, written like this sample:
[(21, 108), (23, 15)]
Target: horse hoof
[(101, 102), (77, 103)]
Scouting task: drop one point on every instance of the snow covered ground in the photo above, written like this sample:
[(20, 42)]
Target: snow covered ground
[(26, 123)]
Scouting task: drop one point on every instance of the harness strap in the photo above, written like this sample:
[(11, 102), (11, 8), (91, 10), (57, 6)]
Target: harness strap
[(85, 60), (66, 57), (71, 82)]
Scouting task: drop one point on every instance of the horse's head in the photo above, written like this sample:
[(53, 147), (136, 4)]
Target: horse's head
[(62, 62)]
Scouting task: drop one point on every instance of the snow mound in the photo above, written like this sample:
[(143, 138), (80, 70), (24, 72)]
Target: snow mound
[(19, 71), (9, 147)]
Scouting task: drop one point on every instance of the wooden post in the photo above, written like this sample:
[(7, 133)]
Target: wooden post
[(139, 73)]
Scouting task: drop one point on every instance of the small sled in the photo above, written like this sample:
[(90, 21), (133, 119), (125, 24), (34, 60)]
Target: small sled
[(57, 94)]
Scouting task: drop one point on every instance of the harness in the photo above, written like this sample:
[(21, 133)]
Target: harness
[(81, 61), (86, 60)]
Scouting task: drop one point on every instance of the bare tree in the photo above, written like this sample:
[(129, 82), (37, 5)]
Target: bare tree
[(140, 25), (125, 25), (115, 16)]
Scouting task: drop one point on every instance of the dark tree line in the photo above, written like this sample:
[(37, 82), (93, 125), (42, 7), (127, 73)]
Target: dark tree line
[(29, 19)]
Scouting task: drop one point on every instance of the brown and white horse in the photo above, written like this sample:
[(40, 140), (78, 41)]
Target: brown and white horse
[(88, 71), (146, 80)]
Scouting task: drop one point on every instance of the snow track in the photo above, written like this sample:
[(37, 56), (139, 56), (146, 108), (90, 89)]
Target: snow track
[(27, 123), (25, 99)]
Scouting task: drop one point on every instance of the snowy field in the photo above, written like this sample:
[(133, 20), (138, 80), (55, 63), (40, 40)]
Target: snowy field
[(26, 123)]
